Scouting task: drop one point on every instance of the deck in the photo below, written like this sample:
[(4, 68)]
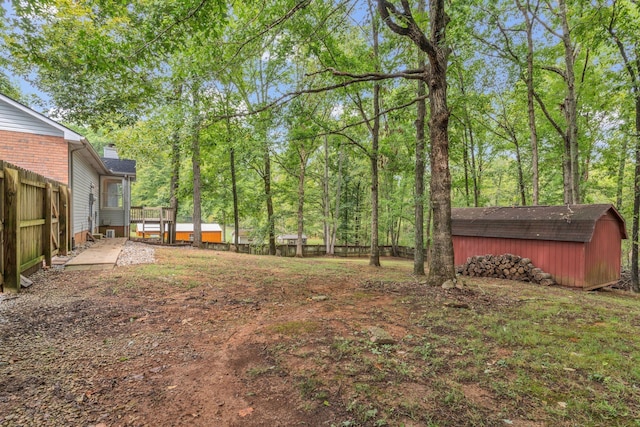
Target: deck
[(160, 216)]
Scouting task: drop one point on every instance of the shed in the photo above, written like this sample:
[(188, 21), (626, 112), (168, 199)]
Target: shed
[(211, 233), (579, 245), (245, 237), (290, 239)]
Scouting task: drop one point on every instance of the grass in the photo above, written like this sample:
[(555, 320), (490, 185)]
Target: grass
[(520, 352)]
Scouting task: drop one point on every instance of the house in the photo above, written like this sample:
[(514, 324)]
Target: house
[(37, 143), (244, 237), (579, 245), (211, 233), (290, 239), (115, 193)]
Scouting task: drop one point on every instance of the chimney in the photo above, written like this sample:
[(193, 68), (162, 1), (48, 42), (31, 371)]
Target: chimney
[(110, 152)]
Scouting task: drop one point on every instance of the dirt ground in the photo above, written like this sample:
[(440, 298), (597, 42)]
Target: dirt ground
[(74, 350), (230, 341)]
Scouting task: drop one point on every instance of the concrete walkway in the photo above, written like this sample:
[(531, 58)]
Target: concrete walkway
[(100, 256)]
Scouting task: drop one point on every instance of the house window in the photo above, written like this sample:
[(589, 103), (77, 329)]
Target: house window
[(112, 196)]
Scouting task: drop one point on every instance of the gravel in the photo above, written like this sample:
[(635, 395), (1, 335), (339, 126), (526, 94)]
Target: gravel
[(136, 253)]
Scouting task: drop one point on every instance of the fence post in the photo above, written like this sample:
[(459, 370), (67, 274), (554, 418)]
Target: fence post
[(48, 223), (63, 221), (11, 230)]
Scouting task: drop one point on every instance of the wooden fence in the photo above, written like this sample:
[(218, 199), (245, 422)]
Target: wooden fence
[(34, 222), (315, 250)]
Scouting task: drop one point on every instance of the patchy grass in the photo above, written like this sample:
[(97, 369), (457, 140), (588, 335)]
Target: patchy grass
[(509, 354)]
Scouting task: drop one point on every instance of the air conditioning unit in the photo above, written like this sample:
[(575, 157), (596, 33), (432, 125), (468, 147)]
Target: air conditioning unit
[(111, 233)]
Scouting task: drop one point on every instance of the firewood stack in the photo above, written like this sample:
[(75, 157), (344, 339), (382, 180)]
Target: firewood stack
[(507, 266)]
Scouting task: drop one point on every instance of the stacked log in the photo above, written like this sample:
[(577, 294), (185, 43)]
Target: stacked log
[(506, 266)]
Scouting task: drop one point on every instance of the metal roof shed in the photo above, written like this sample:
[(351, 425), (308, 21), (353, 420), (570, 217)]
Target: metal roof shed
[(579, 245)]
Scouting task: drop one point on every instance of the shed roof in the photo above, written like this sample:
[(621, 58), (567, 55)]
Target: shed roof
[(290, 237), (569, 223), (188, 227), (180, 227), (120, 166)]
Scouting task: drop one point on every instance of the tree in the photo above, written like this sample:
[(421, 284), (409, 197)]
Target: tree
[(569, 106), (623, 24), (421, 113), (401, 22)]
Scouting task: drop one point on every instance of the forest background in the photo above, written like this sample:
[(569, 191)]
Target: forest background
[(310, 116)]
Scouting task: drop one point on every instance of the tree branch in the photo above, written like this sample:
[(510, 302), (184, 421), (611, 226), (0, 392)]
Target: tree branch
[(412, 30), (547, 115), (416, 74), (555, 70), (364, 121), (169, 28)]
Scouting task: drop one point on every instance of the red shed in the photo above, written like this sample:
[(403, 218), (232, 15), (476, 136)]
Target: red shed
[(579, 245)]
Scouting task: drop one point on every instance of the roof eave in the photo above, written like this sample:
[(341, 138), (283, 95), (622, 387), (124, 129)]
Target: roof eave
[(89, 153), (69, 134)]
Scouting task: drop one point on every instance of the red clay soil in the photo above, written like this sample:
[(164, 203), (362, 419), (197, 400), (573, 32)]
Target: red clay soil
[(117, 349)]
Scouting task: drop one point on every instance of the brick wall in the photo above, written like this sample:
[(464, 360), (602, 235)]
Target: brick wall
[(46, 155)]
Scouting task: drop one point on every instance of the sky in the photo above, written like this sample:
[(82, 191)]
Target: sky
[(30, 92)]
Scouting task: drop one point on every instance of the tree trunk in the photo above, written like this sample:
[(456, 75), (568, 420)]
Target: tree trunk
[(418, 253), (441, 265), (521, 186), (234, 190), (635, 281), (195, 160), (303, 166), (533, 133), (267, 192), (468, 135), (174, 185), (336, 215), (374, 257), (441, 261), (570, 108), (620, 179), (326, 208)]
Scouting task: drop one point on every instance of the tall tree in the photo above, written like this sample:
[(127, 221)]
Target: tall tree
[(401, 22), (196, 125), (569, 106), (421, 114), (525, 8), (623, 26)]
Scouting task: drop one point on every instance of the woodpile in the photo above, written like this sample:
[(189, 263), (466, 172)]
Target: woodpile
[(506, 266)]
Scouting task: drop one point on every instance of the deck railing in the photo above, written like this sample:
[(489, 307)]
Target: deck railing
[(151, 215)]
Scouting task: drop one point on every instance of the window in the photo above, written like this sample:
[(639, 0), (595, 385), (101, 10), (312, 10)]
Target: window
[(112, 196)]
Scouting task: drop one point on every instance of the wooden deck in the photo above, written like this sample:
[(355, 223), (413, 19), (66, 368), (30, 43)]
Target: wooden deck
[(162, 216), (156, 215)]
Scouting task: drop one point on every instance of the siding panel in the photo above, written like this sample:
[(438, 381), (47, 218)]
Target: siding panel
[(112, 217), (83, 176), (556, 258), (603, 255), (12, 119)]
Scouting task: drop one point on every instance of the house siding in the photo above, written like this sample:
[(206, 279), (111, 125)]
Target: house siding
[(44, 154), (112, 217), (83, 176), (15, 120)]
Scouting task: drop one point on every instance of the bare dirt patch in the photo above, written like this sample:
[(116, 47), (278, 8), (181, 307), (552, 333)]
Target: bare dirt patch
[(204, 338)]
